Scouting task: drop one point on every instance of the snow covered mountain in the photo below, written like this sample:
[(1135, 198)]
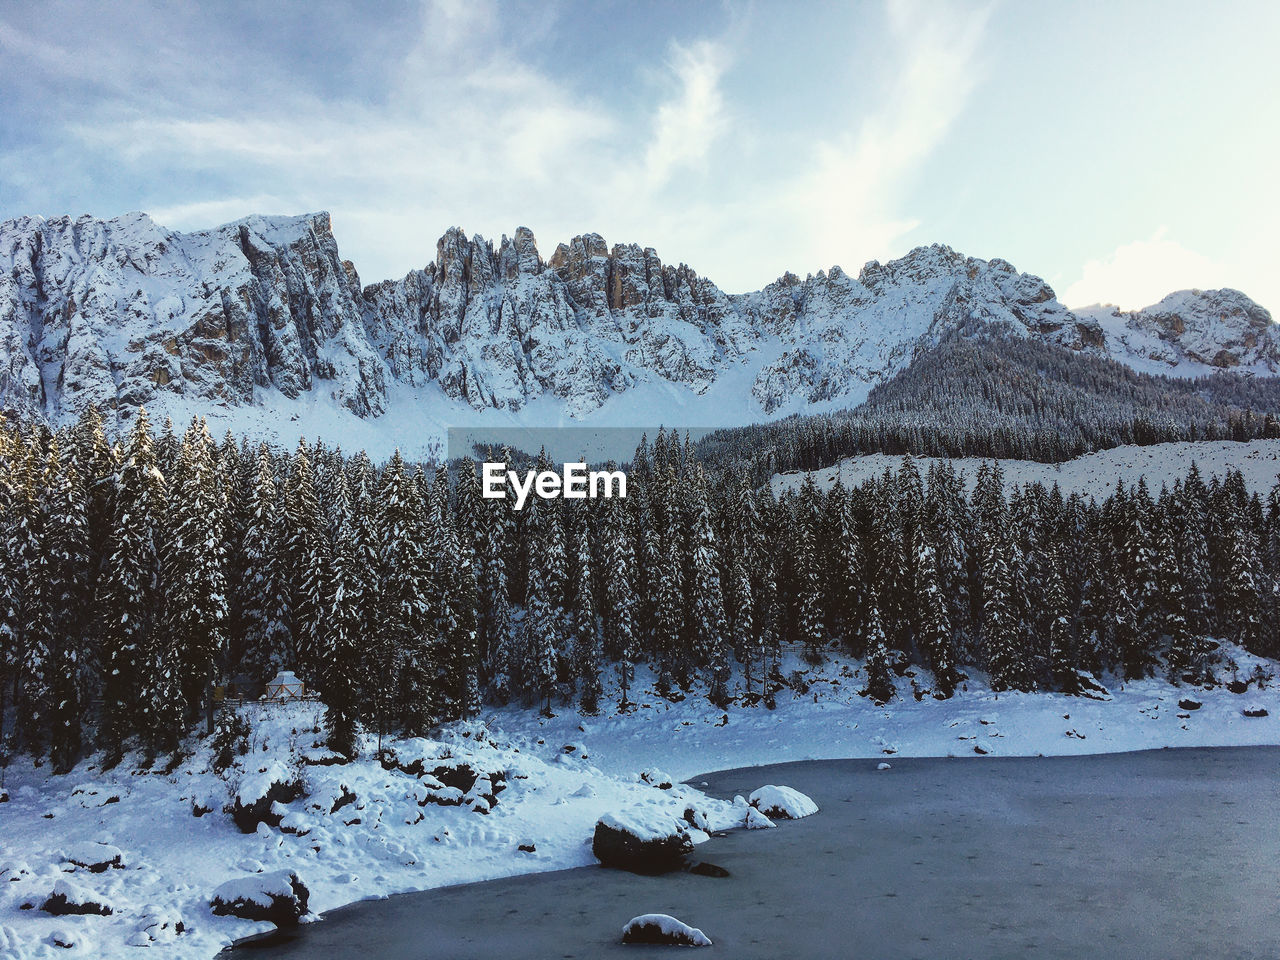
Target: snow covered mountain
[(1192, 330), (262, 320)]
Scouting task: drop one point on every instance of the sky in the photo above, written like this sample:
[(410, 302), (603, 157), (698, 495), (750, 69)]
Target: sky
[(1121, 150)]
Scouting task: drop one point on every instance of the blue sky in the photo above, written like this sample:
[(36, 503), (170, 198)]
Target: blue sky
[(1121, 150)]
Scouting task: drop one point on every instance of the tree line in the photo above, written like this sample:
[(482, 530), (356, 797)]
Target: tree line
[(140, 571)]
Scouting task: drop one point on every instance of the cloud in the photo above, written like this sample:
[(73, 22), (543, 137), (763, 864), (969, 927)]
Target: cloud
[(1143, 272), (203, 213), (467, 125), (850, 198), (687, 125)]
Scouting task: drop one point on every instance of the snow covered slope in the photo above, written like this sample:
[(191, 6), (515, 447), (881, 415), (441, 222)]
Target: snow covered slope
[(1093, 475), (262, 324)]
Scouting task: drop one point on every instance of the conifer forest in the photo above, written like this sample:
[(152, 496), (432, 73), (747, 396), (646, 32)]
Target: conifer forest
[(142, 571)]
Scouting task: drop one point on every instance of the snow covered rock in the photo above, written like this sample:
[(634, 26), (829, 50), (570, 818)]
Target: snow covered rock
[(158, 925), (279, 897), (883, 766), (642, 839), (757, 820), (71, 898), (663, 929), (94, 857), (65, 939), (656, 778), (774, 801), (258, 793)]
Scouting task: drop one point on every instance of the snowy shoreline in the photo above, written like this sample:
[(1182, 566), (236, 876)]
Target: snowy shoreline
[(392, 839), (1127, 855)]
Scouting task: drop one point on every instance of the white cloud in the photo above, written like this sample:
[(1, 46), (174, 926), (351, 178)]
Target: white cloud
[(1143, 272), (204, 213), (848, 202), (686, 126), (471, 132)]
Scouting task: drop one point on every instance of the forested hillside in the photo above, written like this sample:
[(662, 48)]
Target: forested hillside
[(987, 394), (138, 571)]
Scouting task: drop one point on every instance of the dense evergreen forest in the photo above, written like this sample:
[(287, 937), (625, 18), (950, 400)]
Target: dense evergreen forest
[(984, 394), (140, 570)]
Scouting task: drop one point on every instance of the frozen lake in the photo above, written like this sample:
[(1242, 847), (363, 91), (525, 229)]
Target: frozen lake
[(1154, 854)]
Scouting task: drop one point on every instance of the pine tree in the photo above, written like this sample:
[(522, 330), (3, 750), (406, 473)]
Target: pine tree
[(195, 567), (69, 566), (10, 595), (341, 665), (501, 646), (266, 643), (456, 624), (620, 595), (707, 621), (303, 556), (541, 627), (809, 626), (666, 578), (586, 638), (849, 573), (1063, 655), (1001, 625), (1239, 603), (131, 596), (406, 630), (935, 637), (1137, 642), (29, 558), (879, 677)]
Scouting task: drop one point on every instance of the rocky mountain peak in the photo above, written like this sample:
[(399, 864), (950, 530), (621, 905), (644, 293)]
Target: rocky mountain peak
[(123, 312)]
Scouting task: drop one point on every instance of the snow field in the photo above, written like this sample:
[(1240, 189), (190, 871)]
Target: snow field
[(1092, 475)]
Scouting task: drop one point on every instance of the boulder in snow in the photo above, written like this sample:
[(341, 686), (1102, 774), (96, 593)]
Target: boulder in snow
[(94, 857), (70, 898), (258, 794), (1255, 711), (641, 839), (663, 929), (656, 778), (782, 802), (279, 897), (158, 925), (1189, 704)]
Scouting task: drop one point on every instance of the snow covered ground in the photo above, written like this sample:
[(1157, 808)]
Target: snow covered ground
[(361, 831), (1094, 474)]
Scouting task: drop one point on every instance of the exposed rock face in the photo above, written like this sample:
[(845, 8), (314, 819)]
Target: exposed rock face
[(118, 312), (123, 313)]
